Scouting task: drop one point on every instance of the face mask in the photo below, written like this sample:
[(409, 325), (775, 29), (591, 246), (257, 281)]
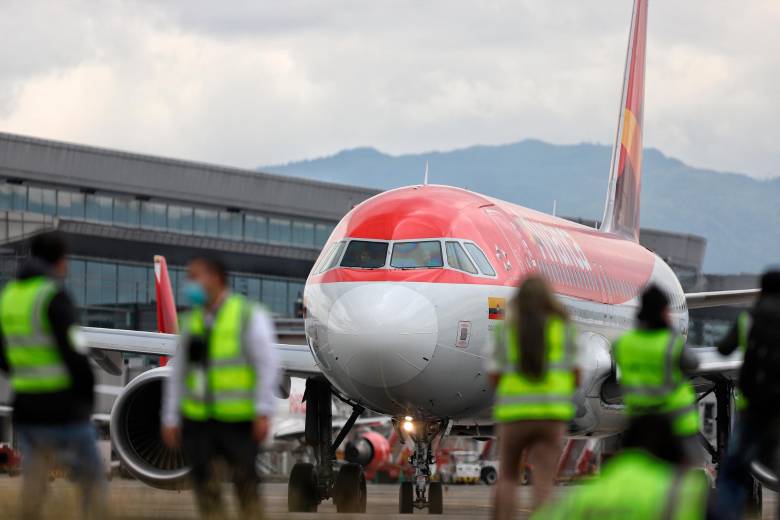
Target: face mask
[(195, 294)]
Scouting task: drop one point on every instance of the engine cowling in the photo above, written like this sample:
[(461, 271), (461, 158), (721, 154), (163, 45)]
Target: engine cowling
[(596, 368), (135, 433), (370, 449)]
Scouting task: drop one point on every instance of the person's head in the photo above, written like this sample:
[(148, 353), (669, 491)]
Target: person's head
[(770, 283), (207, 278), (51, 249), (654, 310), (655, 435), (533, 303)]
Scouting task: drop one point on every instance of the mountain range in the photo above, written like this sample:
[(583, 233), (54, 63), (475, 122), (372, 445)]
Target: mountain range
[(737, 214)]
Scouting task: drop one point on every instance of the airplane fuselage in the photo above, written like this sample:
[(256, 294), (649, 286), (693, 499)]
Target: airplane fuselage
[(408, 335)]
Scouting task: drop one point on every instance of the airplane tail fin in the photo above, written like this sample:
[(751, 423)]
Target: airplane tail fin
[(621, 214), (167, 318)]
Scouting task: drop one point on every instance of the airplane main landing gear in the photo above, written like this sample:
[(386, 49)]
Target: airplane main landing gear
[(422, 493), (310, 484)]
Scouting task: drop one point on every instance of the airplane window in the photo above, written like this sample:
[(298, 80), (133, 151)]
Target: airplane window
[(415, 255), (333, 256), (458, 259), (365, 255), (479, 257)]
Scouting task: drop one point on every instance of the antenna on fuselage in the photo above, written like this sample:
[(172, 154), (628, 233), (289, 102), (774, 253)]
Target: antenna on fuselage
[(425, 179), (555, 207)]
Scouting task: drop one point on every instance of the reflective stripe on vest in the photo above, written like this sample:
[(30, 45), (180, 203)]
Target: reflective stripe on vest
[(31, 350), (744, 322), (651, 380), (225, 390), (519, 397)]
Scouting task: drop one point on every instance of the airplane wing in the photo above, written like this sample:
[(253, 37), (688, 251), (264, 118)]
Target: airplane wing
[(295, 360), (715, 299), (712, 362)]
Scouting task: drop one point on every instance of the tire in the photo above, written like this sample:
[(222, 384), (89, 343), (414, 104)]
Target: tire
[(435, 498), (349, 491), (406, 499), (302, 494), (489, 475)]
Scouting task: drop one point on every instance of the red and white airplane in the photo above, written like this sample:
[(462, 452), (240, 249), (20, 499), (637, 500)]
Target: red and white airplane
[(402, 299)]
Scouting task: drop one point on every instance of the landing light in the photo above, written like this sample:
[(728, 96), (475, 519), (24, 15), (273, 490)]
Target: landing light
[(408, 425)]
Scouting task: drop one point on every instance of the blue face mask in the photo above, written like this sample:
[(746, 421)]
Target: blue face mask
[(195, 294)]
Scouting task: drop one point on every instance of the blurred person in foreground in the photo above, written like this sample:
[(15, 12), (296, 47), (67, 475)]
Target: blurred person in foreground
[(755, 438), (533, 371), (219, 401), (649, 480), (42, 350), (653, 368)]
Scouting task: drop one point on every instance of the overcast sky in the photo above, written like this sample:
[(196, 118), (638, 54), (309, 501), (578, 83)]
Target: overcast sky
[(256, 82)]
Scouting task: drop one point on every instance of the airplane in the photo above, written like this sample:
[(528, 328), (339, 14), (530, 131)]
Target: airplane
[(399, 306)]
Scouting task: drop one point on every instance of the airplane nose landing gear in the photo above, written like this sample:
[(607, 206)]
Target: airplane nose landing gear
[(422, 493)]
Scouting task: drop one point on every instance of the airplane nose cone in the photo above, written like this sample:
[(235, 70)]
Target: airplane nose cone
[(382, 335)]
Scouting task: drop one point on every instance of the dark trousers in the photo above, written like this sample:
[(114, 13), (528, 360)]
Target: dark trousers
[(204, 444)]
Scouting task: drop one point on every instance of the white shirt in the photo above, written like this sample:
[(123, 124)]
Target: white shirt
[(260, 338)]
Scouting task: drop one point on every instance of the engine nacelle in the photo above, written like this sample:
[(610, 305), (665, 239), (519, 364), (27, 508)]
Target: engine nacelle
[(596, 368), (135, 433), (370, 449)]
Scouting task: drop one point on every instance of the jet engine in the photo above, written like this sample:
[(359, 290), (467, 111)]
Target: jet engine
[(370, 449), (596, 372), (135, 433)]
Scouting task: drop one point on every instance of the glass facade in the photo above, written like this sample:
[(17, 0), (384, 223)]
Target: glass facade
[(156, 215), (101, 283)]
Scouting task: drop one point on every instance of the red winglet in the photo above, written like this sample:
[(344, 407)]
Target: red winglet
[(167, 318)]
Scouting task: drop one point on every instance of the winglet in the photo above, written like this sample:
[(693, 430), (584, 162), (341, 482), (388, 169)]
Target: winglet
[(621, 214), (167, 318)]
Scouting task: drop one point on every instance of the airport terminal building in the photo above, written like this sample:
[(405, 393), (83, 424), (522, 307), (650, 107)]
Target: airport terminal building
[(119, 209)]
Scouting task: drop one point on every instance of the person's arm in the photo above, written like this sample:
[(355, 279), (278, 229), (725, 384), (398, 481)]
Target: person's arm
[(260, 340), (173, 388), (730, 341), (66, 334), (496, 362), (4, 367), (689, 362)]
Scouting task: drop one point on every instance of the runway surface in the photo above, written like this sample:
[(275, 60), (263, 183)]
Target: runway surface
[(131, 500)]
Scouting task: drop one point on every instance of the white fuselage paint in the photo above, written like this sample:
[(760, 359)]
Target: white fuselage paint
[(396, 347)]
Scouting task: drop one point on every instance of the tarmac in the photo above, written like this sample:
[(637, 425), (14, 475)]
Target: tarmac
[(132, 500)]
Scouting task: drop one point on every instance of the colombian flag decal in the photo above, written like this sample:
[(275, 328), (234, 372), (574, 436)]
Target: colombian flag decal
[(496, 308)]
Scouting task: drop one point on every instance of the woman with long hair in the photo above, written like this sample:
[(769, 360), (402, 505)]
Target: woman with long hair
[(533, 370)]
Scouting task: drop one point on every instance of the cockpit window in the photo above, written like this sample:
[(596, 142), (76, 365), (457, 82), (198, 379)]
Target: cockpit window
[(416, 255), (365, 255), (458, 259), (332, 259), (479, 257)]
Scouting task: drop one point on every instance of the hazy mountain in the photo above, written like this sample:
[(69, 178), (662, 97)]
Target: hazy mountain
[(739, 215)]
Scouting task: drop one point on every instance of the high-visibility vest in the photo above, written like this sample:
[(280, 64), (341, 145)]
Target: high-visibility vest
[(634, 486), (31, 350), (744, 322), (648, 363), (550, 397), (222, 388)]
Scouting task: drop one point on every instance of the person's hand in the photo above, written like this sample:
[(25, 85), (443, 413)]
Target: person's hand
[(171, 436), (260, 428)]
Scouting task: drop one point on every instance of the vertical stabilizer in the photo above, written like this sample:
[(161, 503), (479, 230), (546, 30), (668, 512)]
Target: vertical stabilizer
[(621, 214), (167, 319)]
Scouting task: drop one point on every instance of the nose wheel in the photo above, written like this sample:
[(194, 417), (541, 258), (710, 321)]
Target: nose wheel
[(422, 493)]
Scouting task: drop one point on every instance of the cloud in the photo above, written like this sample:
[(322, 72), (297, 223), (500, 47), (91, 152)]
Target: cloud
[(265, 82)]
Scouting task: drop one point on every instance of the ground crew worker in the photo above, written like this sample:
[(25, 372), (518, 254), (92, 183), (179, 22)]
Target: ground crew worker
[(53, 384), (647, 481), (533, 370), (652, 364), (757, 334), (222, 387)]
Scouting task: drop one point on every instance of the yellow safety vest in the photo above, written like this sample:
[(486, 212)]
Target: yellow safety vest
[(649, 373), (634, 486), (35, 361), (519, 397), (223, 387)]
